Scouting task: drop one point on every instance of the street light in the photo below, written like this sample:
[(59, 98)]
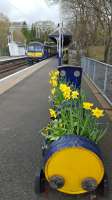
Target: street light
[(60, 30)]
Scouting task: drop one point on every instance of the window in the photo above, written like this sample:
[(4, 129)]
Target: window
[(35, 48)]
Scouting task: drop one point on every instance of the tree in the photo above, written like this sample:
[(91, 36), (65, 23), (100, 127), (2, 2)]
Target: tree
[(26, 32), (4, 29), (103, 11), (91, 22), (18, 35), (33, 33)]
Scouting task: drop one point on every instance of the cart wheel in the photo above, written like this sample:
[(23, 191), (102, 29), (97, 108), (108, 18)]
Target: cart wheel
[(43, 151), (40, 183), (37, 185), (93, 196), (103, 188)]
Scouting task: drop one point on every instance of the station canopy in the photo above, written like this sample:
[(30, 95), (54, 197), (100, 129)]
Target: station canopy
[(67, 36)]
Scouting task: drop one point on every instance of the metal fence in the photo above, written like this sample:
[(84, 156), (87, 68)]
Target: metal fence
[(4, 51), (100, 74)]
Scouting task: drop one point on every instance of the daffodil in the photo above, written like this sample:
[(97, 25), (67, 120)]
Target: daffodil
[(53, 91), (87, 105), (54, 78), (63, 87), (53, 113), (53, 82), (54, 73), (46, 131), (75, 95), (66, 95), (66, 90), (97, 112)]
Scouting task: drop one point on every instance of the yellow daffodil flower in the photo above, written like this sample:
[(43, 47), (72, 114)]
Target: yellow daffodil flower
[(54, 78), (53, 82), (54, 73), (97, 112), (53, 91), (46, 131), (63, 87), (66, 90), (66, 95), (75, 95), (87, 105), (51, 73), (53, 113)]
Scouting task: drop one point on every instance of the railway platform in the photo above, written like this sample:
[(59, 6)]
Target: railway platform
[(9, 58), (23, 112)]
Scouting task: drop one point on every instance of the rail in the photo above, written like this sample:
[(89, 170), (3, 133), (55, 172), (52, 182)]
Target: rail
[(12, 63), (101, 76)]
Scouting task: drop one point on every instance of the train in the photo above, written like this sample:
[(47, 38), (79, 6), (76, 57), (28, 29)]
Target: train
[(37, 51)]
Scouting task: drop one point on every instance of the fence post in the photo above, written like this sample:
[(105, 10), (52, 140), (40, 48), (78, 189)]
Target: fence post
[(94, 71), (105, 80), (87, 67), (84, 64)]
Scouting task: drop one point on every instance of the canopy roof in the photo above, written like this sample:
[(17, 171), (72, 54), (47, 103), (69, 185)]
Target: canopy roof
[(66, 34)]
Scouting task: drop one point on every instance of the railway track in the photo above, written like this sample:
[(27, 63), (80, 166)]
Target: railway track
[(12, 64)]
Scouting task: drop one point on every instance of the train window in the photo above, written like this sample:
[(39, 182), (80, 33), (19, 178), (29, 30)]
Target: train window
[(31, 48), (38, 48), (35, 48)]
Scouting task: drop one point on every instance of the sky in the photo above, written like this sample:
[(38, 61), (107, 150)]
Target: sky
[(29, 10)]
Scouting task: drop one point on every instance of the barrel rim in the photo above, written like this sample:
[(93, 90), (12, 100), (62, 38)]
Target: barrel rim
[(72, 141)]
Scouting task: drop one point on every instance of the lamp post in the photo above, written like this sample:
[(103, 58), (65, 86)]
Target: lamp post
[(60, 37), (60, 44), (60, 30)]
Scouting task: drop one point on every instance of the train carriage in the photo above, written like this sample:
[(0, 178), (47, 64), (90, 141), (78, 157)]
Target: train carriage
[(37, 51)]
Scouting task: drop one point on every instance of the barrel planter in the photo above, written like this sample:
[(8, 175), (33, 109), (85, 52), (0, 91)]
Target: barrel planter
[(72, 74), (73, 165)]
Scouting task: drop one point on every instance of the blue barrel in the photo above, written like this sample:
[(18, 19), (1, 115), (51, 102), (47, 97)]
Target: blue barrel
[(73, 165), (72, 75)]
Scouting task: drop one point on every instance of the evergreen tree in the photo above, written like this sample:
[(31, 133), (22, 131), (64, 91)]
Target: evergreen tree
[(26, 32)]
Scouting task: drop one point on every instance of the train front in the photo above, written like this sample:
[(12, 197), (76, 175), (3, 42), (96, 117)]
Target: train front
[(35, 52)]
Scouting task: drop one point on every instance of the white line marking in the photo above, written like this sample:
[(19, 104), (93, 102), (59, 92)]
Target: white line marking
[(17, 73), (11, 80), (11, 58), (7, 77)]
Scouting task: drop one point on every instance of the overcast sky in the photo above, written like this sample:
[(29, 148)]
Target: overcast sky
[(29, 10)]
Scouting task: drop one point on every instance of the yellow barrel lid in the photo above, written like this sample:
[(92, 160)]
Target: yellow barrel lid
[(74, 165)]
